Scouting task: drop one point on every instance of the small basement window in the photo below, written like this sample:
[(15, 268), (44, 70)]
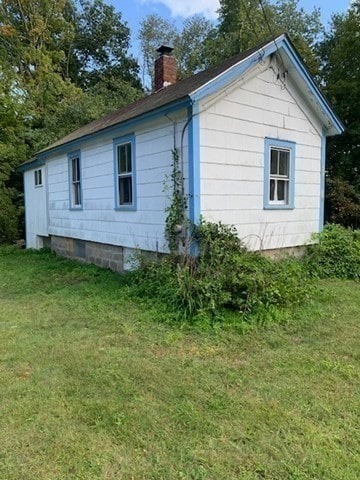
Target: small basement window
[(38, 178)]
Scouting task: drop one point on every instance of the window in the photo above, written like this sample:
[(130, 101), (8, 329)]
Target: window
[(75, 181), (125, 173), (38, 178), (279, 174)]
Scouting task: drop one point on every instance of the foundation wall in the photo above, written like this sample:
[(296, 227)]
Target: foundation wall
[(122, 259), (103, 255), (114, 257)]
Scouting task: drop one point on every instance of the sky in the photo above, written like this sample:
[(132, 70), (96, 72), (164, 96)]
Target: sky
[(133, 11)]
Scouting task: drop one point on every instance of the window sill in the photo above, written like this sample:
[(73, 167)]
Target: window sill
[(278, 207), (75, 209), (125, 208)]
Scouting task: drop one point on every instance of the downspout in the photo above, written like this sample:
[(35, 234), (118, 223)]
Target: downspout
[(193, 203), (194, 163)]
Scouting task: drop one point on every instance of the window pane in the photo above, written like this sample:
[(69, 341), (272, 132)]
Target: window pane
[(124, 158), (274, 162), (75, 169), (125, 190), (121, 159), (284, 163), (38, 177), (272, 190), (77, 194), (128, 157), (282, 186)]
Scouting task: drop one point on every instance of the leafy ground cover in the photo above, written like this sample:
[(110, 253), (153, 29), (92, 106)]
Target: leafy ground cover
[(94, 386)]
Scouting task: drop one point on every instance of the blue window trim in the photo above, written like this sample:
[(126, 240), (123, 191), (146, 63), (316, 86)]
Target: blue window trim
[(116, 142), (273, 142), (38, 185), (71, 155)]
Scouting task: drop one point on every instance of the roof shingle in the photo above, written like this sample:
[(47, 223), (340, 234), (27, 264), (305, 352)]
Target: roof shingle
[(166, 96)]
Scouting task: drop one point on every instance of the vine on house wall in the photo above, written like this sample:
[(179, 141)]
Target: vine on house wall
[(175, 218)]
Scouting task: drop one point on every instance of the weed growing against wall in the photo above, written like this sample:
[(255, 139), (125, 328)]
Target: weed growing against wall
[(336, 253), (175, 212), (224, 276)]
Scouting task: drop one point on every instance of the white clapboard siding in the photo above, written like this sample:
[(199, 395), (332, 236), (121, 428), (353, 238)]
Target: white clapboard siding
[(36, 218), (98, 220), (232, 133)]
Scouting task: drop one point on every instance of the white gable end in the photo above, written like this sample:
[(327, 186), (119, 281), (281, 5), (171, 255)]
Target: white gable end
[(233, 127)]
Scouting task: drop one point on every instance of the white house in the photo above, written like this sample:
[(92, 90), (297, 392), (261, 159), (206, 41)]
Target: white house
[(251, 134)]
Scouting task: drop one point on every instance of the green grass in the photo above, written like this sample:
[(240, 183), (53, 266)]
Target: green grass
[(94, 386)]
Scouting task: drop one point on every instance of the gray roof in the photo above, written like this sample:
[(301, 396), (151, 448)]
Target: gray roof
[(166, 96)]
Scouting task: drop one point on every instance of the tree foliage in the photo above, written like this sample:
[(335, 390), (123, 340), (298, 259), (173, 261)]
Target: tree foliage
[(189, 44), (62, 64), (99, 46), (246, 23), (340, 77), (154, 31)]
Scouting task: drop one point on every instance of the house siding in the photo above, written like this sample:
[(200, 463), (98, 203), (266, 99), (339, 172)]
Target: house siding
[(36, 218), (232, 132), (98, 221)]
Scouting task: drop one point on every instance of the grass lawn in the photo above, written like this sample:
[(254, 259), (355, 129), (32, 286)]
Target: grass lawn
[(93, 386)]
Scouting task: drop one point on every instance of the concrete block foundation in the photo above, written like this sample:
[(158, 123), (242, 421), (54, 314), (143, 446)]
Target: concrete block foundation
[(100, 254)]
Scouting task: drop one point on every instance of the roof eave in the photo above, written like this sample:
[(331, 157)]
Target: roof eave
[(126, 125), (332, 123)]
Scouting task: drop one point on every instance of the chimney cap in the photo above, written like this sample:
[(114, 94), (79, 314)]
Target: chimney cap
[(164, 50)]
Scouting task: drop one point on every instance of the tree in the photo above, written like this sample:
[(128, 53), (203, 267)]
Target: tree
[(340, 76), (190, 48), (99, 47), (154, 31), (242, 24), (188, 43), (13, 126), (245, 23), (59, 51), (62, 64)]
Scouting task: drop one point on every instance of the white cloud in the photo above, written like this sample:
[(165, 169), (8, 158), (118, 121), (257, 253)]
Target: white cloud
[(186, 8)]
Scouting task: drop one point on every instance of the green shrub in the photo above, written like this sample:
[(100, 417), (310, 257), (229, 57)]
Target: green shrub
[(223, 276), (336, 253), (342, 203), (8, 218)]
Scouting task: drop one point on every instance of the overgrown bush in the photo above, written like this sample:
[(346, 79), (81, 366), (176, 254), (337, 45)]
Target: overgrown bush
[(8, 218), (223, 276), (336, 253), (342, 203)]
